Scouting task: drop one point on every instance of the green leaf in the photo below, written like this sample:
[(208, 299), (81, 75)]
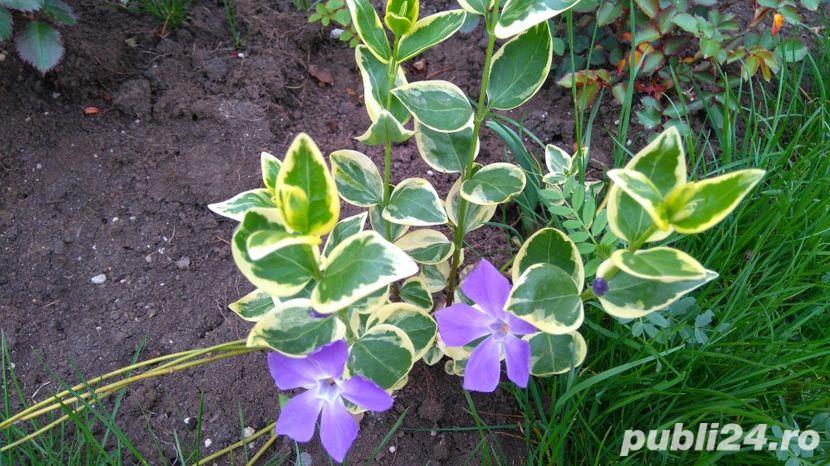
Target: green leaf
[(345, 228), (5, 25), (608, 12), (376, 86), (520, 15), (475, 215), (22, 5), (435, 276), (547, 297), (384, 355), (649, 7), (235, 207), (445, 152), (520, 67), (401, 15), (559, 164), (429, 32), (305, 169), (59, 12), (440, 105), (264, 242), (358, 267), (644, 192), (494, 184), (293, 329), (40, 45), (386, 129), (550, 246), (368, 26), (661, 263), (283, 273), (416, 292), (270, 167), (791, 50), (254, 305), (415, 322), (686, 22), (631, 297), (357, 178), (414, 202), (381, 225), (555, 354), (700, 205), (663, 162), (426, 246), (478, 7)]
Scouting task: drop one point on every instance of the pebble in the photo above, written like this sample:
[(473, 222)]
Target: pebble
[(249, 431), (336, 33), (98, 279), (183, 263), (392, 449), (208, 443)]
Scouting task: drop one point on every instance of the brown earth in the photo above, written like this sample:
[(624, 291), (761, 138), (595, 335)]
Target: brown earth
[(124, 193)]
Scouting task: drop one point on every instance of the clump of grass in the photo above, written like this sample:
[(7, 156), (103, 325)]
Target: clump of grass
[(170, 12)]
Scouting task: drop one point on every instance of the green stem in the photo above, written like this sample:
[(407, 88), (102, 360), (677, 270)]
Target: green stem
[(391, 74), (482, 110)]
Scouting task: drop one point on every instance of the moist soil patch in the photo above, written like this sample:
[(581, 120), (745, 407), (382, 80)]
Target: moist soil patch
[(123, 193)]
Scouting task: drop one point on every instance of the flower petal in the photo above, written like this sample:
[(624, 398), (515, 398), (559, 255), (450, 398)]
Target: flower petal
[(460, 324), (517, 358), (331, 358), (518, 326), (366, 394), (338, 429), (299, 416), (484, 367), (488, 288), (291, 373)]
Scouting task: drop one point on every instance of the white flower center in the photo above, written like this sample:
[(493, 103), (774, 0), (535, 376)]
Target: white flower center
[(500, 329), (328, 389)]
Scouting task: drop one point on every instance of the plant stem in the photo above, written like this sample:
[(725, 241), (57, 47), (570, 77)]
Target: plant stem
[(391, 75), (228, 449), (633, 247), (481, 114)]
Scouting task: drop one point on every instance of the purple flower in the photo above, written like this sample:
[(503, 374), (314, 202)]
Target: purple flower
[(461, 324), (321, 374)]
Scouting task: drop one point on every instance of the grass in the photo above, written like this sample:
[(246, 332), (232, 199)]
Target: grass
[(170, 12)]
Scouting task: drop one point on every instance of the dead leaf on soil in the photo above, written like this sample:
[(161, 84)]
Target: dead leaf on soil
[(91, 110), (322, 75)]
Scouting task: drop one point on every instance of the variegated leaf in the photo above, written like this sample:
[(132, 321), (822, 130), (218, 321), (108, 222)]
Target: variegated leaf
[(661, 263), (367, 24), (368, 304), (435, 276), (376, 86), (357, 267), (429, 32), (415, 202), (639, 188), (270, 166), (478, 7), (559, 164), (386, 129), (235, 207), (401, 16), (521, 15), (390, 231), (357, 178), (426, 246), (547, 297), (520, 67), (630, 297), (550, 246), (494, 184), (294, 329), (304, 169), (345, 228), (555, 354), (439, 105), (475, 215), (384, 355), (418, 325), (445, 152), (283, 273), (415, 292), (264, 242), (254, 305)]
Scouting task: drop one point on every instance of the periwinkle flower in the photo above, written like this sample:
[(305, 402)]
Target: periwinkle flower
[(461, 324), (321, 374)]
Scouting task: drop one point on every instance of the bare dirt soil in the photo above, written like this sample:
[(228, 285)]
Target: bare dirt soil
[(124, 192)]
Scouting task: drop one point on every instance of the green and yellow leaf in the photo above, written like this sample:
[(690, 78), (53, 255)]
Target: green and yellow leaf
[(547, 297), (440, 105), (559, 164), (494, 184), (264, 242), (415, 202), (384, 355), (305, 169), (358, 267), (357, 178), (555, 354), (630, 297), (477, 7), (550, 246), (639, 188), (254, 305), (376, 88), (445, 152), (475, 216), (520, 67), (415, 322), (661, 263), (521, 15), (293, 330), (367, 24), (426, 246), (415, 291), (343, 229), (235, 207), (429, 32), (435, 275), (270, 166), (385, 129), (401, 15)]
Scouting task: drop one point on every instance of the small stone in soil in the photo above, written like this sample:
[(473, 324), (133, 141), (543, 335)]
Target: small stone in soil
[(98, 279), (183, 263), (208, 443), (249, 431)]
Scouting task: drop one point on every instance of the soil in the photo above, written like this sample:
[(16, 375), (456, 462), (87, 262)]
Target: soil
[(124, 192)]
